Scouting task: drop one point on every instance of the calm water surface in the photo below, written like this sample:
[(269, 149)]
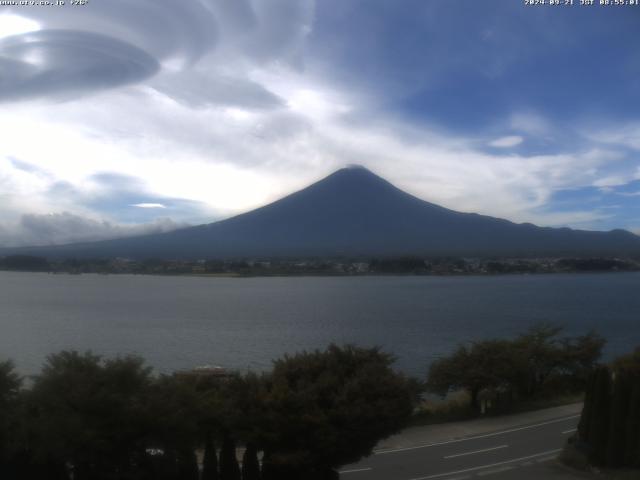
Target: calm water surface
[(180, 322)]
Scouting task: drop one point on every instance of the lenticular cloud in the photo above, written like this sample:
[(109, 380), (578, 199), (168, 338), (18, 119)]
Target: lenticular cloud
[(59, 63)]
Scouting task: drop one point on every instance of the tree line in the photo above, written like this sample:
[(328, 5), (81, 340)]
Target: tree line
[(88, 418), (85, 417), (497, 373)]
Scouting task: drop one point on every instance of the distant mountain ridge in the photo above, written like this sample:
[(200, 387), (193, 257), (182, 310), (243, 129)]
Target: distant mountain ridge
[(354, 212)]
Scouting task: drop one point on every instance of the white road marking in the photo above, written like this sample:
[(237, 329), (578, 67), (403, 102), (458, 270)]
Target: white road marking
[(355, 470), (495, 470), (476, 451), (482, 467), (569, 431), (545, 459), (486, 435)]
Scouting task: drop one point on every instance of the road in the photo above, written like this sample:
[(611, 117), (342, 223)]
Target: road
[(507, 452)]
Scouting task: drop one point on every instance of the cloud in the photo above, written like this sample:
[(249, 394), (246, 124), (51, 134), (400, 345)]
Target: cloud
[(531, 123), (625, 135), (15, 25), (148, 205), (61, 228), (122, 43), (197, 90), (506, 142), (225, 105), (66, 63)]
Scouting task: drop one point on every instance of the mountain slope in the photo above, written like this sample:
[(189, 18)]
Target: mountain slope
[(354, 212)]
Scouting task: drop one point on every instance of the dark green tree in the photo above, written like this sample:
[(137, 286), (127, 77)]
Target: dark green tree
[(330, 408), (229, 468), (250, 463), (91, 414), (610, 420), (599, 422), (539, 348), (632, 429), (618, 417), (176, 406), (210, 459), (523, 366), (10, 384), (489, 364), (579, 357), (187, 465)]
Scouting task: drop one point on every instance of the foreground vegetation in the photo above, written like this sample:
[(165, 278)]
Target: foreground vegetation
[(85, 417), (609, 430), (89, 418), (500, 375)]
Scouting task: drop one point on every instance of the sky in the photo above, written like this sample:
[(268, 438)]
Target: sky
[(122, 117)]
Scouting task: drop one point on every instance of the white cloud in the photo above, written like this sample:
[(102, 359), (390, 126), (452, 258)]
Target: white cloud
[(231, 121), (623, 135), (61, 228), (530, 123), (148, 205), (235, 160), (15, 25), (506, 142)]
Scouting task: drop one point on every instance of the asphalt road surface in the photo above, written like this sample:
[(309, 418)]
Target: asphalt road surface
[(507, 452)]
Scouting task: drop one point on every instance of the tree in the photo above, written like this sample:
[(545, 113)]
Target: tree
[(628, 367), (10, 384), (175, 409), (483, 365), (599, 421), (229, 468), (580, 355), (326, 409), (617, 420), (539, 347), (632, 430), (629, 363), (524, 365), (250, 464), (91, 414), (210, 459)]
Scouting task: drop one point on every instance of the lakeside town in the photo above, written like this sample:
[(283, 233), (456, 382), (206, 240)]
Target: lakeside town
[(322, 266)]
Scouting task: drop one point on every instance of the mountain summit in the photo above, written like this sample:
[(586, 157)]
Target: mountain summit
[(356, 213)]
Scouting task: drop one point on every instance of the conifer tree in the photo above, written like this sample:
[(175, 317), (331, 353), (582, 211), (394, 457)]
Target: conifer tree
[(617, 420), (210, 460), (250, 464), (599, 423), (632, 436), (229, 468)]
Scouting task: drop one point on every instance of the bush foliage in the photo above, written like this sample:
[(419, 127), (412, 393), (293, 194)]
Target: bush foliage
[(88, 418), (532, 365)]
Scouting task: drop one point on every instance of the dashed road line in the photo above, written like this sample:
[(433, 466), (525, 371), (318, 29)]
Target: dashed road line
[(486, 435), (355, 470), (495, 470), (483, 467), (545, 459), (476, 451)]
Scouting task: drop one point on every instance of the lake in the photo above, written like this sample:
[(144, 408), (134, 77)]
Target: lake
[(244, 323)]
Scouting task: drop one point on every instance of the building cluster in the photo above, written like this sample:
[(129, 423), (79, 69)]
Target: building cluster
[(326, 266)]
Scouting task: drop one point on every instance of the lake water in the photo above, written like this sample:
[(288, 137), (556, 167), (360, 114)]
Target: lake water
[(240, 323)]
